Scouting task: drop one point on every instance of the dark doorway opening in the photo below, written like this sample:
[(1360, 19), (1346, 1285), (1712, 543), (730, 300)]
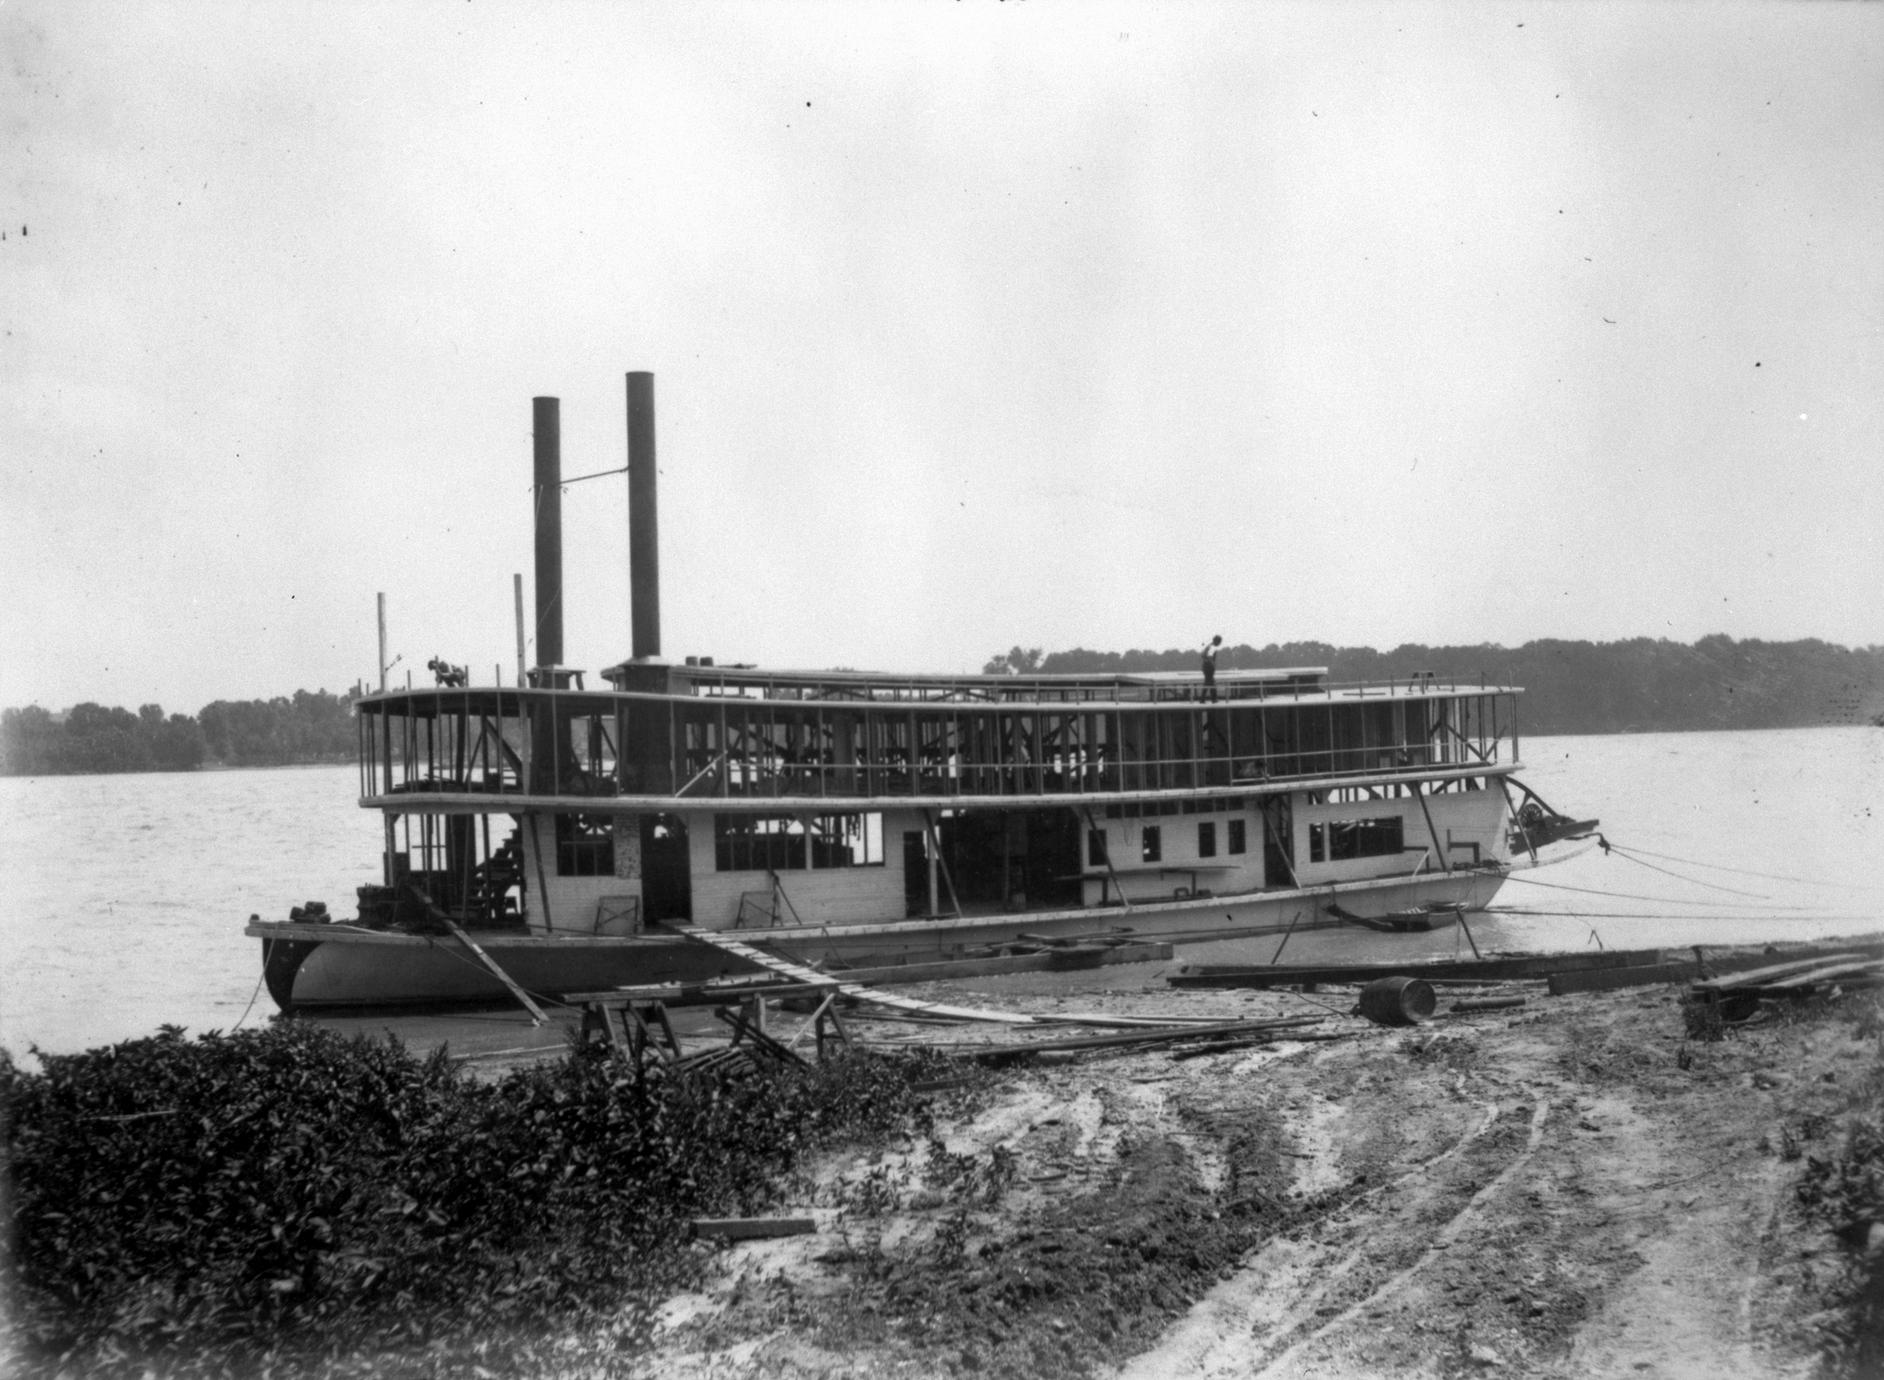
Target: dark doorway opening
[(1013, 859), (1278, 841), (666, 874)]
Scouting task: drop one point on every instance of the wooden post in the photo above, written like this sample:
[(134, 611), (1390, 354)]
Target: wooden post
[(522, 996), (930, 851), (1468, 934), (516, 584), (1111, 872), (1512, 806), (1285, 936), (618, 1041), (817, 1025), (1444, 862), (828, 1011), (667, 1027)]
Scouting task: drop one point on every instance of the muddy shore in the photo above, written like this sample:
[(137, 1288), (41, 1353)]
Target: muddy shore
[(1569, 1188)]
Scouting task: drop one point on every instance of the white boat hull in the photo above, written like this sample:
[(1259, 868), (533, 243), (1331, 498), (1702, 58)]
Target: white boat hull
[(329, 965)]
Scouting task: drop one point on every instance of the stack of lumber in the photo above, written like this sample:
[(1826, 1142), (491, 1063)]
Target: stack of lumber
[(1589, 971), (1217, 1035), (1501, 969), (1739, 994)]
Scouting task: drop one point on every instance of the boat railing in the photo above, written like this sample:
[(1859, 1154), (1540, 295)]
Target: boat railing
[(731, 776), (1154, 688), (1015, 693), (574, 744)]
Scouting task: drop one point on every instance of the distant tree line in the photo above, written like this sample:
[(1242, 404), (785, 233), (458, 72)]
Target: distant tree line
[(1641, 685), (313, 726)]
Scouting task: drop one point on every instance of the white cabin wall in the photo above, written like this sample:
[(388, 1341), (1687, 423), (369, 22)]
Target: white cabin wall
[(1467, 817), (1223, 874), (1458, 817), (836, 895), (574, 904)]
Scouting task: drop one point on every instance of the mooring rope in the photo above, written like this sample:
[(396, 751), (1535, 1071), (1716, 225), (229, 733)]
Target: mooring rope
[(252, 995), (1635, 896), (1695, 881), (1528, 912), (1745, 871)]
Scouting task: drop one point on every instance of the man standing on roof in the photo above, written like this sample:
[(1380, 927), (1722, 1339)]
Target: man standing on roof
[(1210, 666)]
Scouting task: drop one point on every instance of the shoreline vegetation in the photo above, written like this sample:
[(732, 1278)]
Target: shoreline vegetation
[(1636, 686), (287, 1201), (1601, 1185), (308, 728)]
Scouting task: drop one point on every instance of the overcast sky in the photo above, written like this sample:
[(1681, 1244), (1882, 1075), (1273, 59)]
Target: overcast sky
[(973, 324)]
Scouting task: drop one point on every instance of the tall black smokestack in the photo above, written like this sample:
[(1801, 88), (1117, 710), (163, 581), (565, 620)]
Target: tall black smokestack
[(644, 530), (547, 427)]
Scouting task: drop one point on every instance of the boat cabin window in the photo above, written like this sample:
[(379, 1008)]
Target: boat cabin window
[(758, 843), (1207, 838), (1238, 835), (847, 840), (1152, 846), (1096, 847), (789, 843), (585, 846), (1342, 839), (1199, 805)]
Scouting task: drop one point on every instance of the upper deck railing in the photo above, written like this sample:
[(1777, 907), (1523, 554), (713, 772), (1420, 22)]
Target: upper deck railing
[(688, 747), (1105, 687)]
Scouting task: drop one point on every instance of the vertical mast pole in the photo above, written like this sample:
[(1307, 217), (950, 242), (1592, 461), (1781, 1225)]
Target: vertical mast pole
[(516, 583), (644, 552), (547, 430), (382, 642)]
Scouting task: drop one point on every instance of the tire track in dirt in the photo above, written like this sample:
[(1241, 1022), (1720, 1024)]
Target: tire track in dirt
[(1216, 1337), (1443, 1239)]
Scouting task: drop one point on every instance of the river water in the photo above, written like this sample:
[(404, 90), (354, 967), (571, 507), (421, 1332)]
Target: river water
[(126, 895)]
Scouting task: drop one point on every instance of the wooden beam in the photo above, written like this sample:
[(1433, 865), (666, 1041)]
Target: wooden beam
[(994, 967), (1516, 966), (1758, 977), (751, 1228), (1609, 979), (523, 997), (1166, 1035)]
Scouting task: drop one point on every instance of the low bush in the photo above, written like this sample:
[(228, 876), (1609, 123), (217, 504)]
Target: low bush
[(239, 1202), (1845, 1191)]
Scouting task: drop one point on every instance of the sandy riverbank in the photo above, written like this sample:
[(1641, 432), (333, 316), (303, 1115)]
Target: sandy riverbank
[(1568, 1189)]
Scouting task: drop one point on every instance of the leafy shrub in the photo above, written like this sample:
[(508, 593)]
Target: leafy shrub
[(212, 1203), (1845, 1191)]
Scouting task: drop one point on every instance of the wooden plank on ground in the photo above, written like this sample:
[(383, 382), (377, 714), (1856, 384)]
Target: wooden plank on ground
[(751, 1228), (891, 975), (744, 1028), (1512, 966), (1609, 979), (716, 992), (1145, 1037), (1815, 976), (1504, 965), (1759, 977)]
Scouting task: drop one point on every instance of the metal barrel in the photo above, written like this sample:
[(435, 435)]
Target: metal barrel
[(1398, 1000)]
